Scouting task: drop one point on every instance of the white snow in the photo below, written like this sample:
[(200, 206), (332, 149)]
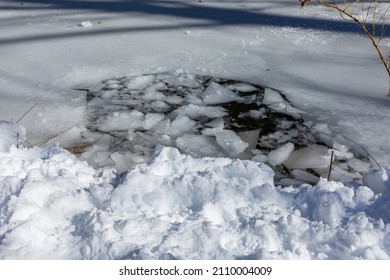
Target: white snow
[(57, 207), (186, 199), (11, 134), (86, 24)]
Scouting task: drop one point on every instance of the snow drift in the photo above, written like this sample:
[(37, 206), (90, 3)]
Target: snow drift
[(53, 206)]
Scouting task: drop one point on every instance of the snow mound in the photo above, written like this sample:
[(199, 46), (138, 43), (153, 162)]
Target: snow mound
[(178, 207)]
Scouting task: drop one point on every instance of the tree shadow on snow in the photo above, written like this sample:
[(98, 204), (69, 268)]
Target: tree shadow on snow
[(207, 15)]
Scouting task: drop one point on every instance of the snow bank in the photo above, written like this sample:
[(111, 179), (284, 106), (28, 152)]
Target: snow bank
[(53, 206)]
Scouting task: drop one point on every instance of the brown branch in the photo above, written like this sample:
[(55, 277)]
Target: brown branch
[(345, 13)]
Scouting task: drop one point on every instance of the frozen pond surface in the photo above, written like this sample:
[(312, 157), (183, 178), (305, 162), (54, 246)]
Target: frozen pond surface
[(205, 116)]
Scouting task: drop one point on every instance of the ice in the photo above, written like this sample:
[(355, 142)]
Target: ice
[(198, 145), (304, 176), (71, 137), (341, 155), (272, 97), (250, 137), (378, 180), (322, 128), (279, 155), (123, 121), (260, 158), (130, 120), (153, 95), (359, 165), (11, 134), (125, 159), (277, 102), (228, 140), (242, 87), (194, 111), (152, 119), (216, 123), (314, 156), (217, 94), (140, 82), (187, 80), (181, 125)]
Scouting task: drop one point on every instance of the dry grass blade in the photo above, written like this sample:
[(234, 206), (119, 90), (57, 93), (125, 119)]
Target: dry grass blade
[(28, 111)]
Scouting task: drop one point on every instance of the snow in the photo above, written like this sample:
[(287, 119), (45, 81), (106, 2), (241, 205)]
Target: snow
[(86, 24), (170, 139), (11, 134), (179, 207)]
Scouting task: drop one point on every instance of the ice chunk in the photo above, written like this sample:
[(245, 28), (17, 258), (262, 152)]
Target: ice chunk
[(181, 125), (251, 137), (242, 87), (314, 156), (342, 151), (305, 176), (156, 87), (11, 134), (151, 119), (198, 145), (69, 138), (174, 99), (153, 95), (159, 105), (260, 158), (275, 101), (216, 123), (228, 140), (123, 121), (141, 82), (130, 120), (359, 165), (122, 160), (217, 94), (272, 97), (322, 128), (256, 114), (284, 107), (279, 155), (194, 111), (185, 80)]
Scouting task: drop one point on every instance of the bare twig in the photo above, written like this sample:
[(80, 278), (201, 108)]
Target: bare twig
[(330, 164), (369, 11), (23, 140)]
